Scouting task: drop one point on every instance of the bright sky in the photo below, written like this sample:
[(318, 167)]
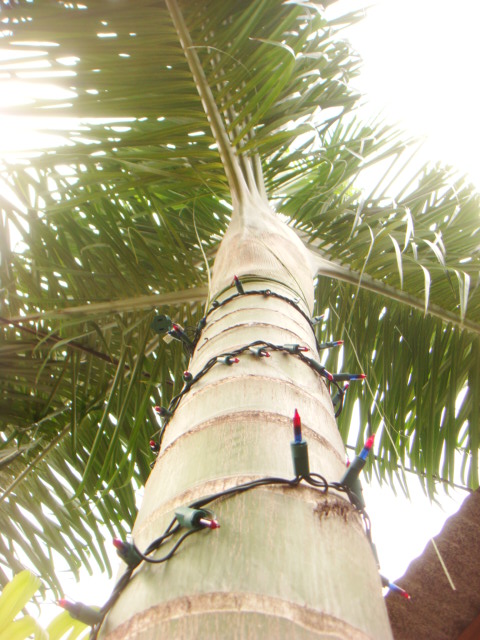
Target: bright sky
[(421, 70), (420, 59)]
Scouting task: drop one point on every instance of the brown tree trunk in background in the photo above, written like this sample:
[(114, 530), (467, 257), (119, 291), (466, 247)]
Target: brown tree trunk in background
[(436, 610)]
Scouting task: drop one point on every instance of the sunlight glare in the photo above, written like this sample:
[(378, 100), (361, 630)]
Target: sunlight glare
[(419, 70)]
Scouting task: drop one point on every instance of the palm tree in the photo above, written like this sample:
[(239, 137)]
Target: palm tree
[(192, 120)]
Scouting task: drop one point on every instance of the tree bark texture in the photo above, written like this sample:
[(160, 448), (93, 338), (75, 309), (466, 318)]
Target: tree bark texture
[(286, 562)]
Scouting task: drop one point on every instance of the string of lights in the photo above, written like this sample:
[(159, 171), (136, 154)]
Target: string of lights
[(163, 324), (258, 348), (192, 518)]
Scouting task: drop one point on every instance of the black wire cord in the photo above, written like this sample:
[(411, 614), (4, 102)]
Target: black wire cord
[(191, 344), (172, 550), (261, 292), (313, 364), (314, 479)]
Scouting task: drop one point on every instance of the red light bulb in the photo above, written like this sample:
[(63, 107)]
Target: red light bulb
[(209, 524), (297, 427)]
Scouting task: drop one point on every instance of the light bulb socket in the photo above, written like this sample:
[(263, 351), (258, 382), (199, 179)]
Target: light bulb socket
[(319, 368), (154, 446), (331, 344), (161, 324), (163, 412), (259, 352), (238, 285), (228, 360), (294, 348), (191, 518), (346, 377), (301, 465), (356, 491), (81, 612), (127, 552), (187, 378)]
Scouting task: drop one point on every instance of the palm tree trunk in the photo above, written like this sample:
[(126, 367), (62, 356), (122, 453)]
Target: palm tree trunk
[(286, 562)]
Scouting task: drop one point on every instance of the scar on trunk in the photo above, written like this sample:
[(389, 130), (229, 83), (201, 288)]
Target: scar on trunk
[(334, 507)]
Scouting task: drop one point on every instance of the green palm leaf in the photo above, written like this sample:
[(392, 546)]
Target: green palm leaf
[(124, 220)]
